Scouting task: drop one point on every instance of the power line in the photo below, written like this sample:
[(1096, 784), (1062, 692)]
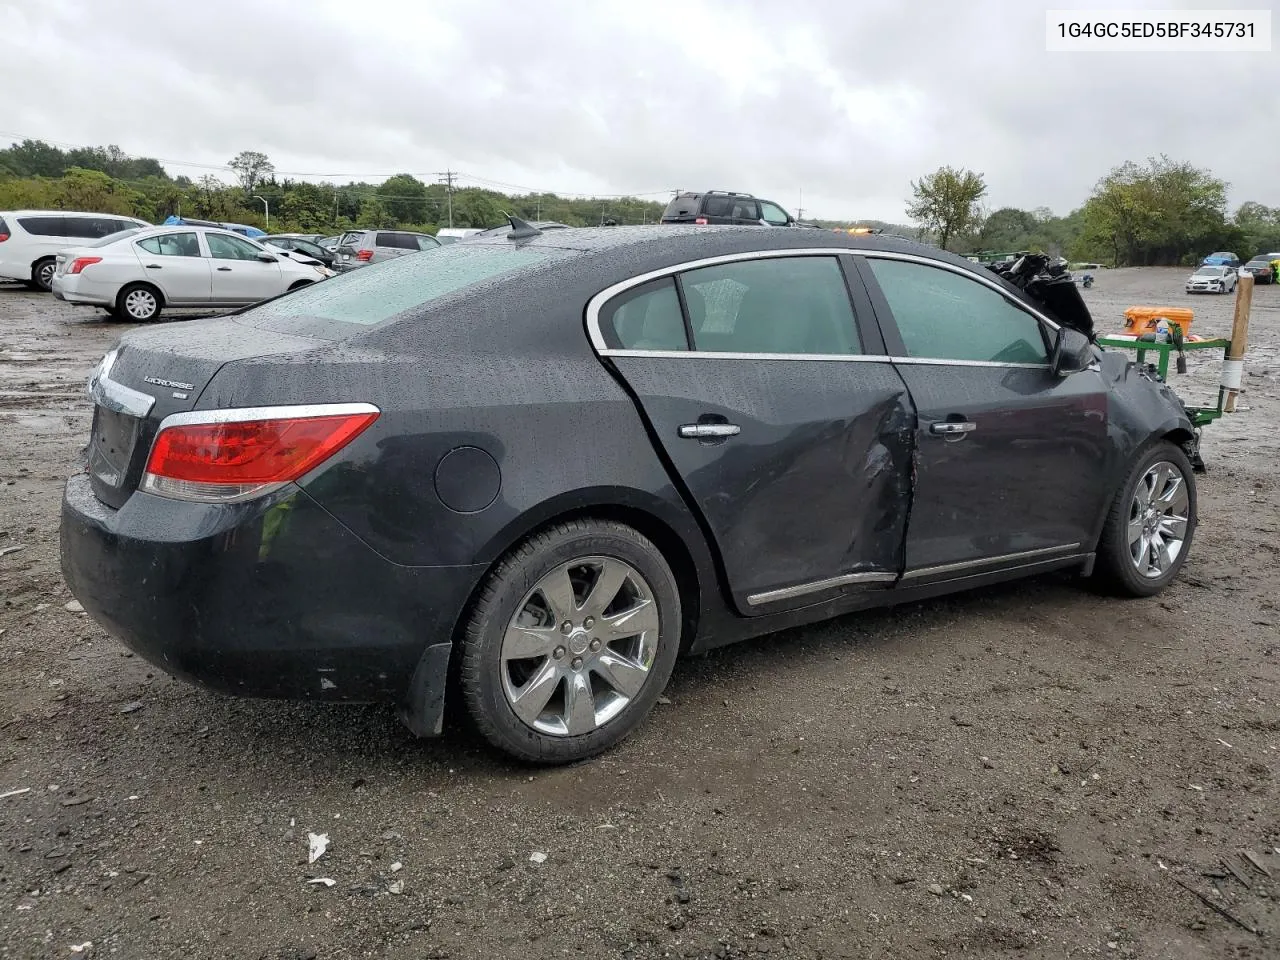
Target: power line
[(451, 175)]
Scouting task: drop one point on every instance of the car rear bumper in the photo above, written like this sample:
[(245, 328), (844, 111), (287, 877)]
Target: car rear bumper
[(76, 290), (273, 598)]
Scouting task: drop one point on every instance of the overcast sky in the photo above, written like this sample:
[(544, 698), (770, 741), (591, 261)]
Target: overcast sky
[(845, 100)]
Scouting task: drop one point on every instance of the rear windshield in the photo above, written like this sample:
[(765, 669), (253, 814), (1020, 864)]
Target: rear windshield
[(113, 237), (382, 291), (685, 205)]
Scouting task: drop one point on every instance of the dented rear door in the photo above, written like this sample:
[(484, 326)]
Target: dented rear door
[(785, 425)]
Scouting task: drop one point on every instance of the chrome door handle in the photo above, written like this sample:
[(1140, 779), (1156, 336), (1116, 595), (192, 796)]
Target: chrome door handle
[(953, 429), (709, 431)]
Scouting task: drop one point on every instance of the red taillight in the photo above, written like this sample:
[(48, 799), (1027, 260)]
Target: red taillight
[(3, 237), (364, 255), (701, 221), (238, 459), (79, 263)]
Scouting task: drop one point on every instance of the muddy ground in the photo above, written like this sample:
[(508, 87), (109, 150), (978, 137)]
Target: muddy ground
[(1028, 771)]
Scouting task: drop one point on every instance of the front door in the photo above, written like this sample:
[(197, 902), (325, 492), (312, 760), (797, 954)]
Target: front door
[(790, 440), (1012, 458), (238, 275)]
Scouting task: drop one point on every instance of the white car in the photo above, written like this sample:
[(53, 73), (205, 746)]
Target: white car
[(1212, 279), (31, 239), (137, 274)]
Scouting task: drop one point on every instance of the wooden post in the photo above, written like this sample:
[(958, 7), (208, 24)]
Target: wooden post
[(1233, 366)]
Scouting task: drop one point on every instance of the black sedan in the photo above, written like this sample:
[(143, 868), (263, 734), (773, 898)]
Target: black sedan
[(530, 472)]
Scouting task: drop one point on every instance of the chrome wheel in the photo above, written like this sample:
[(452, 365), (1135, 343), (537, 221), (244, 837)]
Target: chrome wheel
[(141, 304), (1158, 518), (580, 646)]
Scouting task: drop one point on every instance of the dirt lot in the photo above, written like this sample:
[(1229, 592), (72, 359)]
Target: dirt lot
[(1024, 771)]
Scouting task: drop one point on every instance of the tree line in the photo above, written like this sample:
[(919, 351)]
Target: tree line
[(37, 175), (1139, 214), (1156, 213)]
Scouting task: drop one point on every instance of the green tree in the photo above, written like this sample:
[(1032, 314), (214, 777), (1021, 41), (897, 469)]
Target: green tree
[(404, 196), (251, 167), (1158, 213), (946, 202), (94, 191), (374, 213)]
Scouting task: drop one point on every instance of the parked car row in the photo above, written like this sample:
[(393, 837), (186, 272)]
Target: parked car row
[(1262, 267)]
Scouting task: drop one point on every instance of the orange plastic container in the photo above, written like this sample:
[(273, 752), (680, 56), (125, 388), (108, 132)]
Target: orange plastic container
[(1140, 320)]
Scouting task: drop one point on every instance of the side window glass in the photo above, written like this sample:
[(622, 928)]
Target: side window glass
[(172, 245), (44, 226), (646, 318), (746, 210), (778, 305), (945, 316), (427, 243), (719, 206), (224, 247), (772, 213)]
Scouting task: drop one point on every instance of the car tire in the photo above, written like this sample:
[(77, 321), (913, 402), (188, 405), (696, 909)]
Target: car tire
[(298, 285), (138, 303), (42, 274), (1154, 505), (578, 692)]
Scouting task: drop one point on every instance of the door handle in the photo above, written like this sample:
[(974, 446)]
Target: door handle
[(154, 266), (225, 269), (709, 431), (953, 429)]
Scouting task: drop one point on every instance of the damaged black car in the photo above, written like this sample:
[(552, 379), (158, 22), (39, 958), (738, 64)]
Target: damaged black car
[(528, 472)]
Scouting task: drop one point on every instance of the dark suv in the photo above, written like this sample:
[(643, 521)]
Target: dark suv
[(718, 206)]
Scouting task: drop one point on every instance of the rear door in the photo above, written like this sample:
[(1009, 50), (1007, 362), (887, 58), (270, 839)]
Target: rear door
[(175, 263), (785, 424), (238, 275), (1012, 459)]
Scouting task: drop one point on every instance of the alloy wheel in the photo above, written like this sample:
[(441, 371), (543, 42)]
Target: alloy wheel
[(1158, 518), (580, 646), (44, 275)]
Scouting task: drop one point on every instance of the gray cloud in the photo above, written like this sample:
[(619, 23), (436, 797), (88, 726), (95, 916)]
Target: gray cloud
[(845, 101)]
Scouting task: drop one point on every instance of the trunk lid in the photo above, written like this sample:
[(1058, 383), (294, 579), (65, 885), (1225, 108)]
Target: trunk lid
[(158, 372)]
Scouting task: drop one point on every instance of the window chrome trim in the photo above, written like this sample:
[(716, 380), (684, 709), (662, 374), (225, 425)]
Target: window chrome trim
[(596, 304), (243, 414), (1044, 552), (114, 396), (817, 586), (930, 361), (720, 355)]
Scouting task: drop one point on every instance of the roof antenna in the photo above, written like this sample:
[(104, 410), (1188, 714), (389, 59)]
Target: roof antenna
[(520, 230)]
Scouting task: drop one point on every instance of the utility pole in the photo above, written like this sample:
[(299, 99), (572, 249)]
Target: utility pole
[(538, 216), (447, 180), (800, 209)]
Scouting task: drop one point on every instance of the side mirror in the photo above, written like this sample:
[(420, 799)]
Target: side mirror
[(268, 257), (1072, 352)]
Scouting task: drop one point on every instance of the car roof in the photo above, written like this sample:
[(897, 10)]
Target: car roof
[(68, 213)]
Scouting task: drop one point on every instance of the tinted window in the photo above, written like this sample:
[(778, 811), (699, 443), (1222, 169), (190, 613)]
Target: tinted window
[(745, 210), (646, 318), (685, 205), (4, 228), (43, 226), (781, 305), (772, 213), (225, 247), (386, 289), (172, 245), (719, 207), (943, 315), (399, 241)]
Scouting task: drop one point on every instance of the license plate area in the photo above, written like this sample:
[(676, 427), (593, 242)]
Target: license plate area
[(114, 436)]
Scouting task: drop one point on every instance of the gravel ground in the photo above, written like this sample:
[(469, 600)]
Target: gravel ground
[(1028, 771)]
